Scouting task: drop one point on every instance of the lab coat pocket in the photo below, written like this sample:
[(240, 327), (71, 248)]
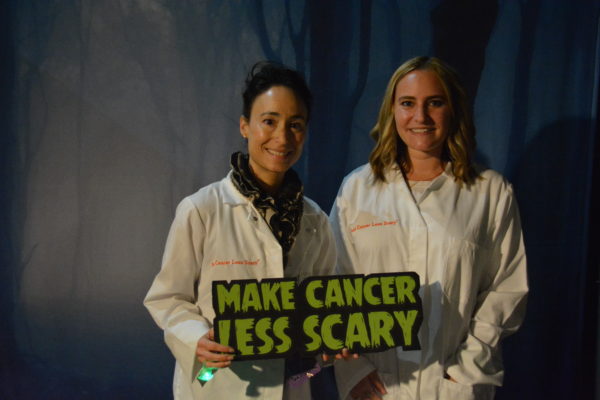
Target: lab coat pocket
[(465, 266)]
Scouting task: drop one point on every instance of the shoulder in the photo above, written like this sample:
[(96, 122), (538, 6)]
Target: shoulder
[(491, 180), (313, 211), (494, 188), (206, 197), (311, 207), (359, 174), (357, 179), (211, 197), (362, 183)]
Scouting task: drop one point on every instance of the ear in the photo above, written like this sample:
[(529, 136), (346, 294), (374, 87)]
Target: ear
[(244, 128)]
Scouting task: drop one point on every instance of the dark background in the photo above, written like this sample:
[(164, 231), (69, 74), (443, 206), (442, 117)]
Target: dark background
[(113, 110)]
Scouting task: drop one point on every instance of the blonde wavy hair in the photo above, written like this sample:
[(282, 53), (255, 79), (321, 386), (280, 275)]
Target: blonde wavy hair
[(390, 151)]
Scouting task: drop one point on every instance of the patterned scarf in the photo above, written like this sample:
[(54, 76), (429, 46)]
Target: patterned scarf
[(282, 213)]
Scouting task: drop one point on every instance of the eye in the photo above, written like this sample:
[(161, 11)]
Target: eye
[(269, 121), (406, 103), (436, 103), (297, 126)]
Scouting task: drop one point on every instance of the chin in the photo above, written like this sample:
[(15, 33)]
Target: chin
[(282, 165), (281, 168)]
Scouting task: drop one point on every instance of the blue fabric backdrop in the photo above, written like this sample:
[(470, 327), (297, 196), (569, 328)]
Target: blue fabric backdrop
[(114, 110)]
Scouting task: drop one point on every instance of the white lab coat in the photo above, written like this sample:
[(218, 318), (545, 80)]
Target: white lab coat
[(217, 234), (466, 245)]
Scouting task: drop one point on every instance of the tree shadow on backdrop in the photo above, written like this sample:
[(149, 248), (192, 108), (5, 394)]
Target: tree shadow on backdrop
[(8, 253), (552, 184), (461, 32), (338, 80)]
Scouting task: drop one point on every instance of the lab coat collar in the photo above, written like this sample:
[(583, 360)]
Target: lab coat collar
[(443, 177), (231, 195), (395, 175)]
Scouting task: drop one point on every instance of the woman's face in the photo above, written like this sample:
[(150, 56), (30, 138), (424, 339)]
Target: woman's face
[(275, 132), (421, 113)]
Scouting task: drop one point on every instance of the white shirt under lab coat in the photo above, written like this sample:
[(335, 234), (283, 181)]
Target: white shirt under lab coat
[(217, 234), (466, 245)]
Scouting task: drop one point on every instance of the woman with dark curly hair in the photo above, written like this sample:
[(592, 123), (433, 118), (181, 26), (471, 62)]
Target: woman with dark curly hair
[(422, 205), (256, 216)]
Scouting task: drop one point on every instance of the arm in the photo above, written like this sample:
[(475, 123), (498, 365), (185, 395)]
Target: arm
[(500, 306), (327, 266), (325, 262), (171, 299), (354, 376), (347, 258)]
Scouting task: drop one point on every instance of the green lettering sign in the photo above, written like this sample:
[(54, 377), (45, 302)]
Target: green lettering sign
[(274, 318)]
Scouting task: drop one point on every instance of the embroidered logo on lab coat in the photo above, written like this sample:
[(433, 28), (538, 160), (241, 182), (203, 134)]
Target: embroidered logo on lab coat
[(216, 263), (374, 224)]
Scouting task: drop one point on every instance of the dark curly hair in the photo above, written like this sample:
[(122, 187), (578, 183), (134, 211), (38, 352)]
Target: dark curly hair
[(266, 74)]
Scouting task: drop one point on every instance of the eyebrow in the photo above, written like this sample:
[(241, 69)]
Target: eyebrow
[(276, 114), (435, 96)]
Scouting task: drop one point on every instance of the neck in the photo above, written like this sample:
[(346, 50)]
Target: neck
[(269, 183), (425, 168), (270, 188)]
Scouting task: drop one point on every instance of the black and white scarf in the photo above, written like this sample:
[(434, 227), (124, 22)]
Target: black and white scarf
[(281, 213)]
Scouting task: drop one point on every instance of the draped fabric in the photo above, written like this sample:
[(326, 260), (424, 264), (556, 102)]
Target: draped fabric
[(114, 110)]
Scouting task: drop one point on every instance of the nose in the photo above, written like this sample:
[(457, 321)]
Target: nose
[(283, 132), (421, 114)]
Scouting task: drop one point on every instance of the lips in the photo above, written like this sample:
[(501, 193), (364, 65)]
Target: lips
[(421, 130), (279, 153)]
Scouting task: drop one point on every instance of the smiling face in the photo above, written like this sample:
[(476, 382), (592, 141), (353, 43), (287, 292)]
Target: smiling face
[(275, 132), (421, 113)]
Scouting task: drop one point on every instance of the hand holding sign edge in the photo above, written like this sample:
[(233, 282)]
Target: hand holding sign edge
[(211, 353)]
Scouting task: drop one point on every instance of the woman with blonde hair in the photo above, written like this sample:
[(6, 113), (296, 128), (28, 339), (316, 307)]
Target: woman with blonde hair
[(423, 206)]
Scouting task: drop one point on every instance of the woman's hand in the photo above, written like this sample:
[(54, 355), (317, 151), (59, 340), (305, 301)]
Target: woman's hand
[(370, 387), (344, 354), (210, 353)]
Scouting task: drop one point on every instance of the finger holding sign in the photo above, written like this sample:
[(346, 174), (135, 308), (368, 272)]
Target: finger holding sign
[(210, 353), (345, 354)]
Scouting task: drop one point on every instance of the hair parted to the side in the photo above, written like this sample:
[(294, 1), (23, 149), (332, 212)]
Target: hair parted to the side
[(266, 74), (390, 151)]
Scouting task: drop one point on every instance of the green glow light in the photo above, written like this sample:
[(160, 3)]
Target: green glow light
[(206, 374)]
